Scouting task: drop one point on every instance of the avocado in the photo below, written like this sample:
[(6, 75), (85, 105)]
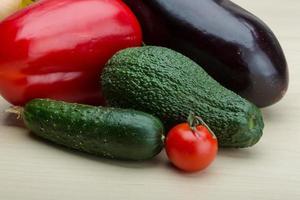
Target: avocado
[(170, 86)]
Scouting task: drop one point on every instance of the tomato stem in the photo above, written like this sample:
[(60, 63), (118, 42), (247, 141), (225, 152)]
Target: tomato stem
[(194, 121)]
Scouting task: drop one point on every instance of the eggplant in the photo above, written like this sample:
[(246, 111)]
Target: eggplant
[(235, 47)]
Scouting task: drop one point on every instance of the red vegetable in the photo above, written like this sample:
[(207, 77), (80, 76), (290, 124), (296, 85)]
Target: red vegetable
[(190, 146), (57, 49)]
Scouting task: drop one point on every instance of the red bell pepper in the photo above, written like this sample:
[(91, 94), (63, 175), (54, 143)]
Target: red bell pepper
[(57, 48)]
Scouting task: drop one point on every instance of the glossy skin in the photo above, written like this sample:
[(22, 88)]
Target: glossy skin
[(191, 150), (57, 49), (232, 45)]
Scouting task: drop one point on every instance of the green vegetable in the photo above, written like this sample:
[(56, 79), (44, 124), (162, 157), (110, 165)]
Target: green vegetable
[(169, 85), (109, 132)]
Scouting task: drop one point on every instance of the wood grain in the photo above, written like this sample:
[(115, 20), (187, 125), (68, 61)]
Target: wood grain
[(31, 169)]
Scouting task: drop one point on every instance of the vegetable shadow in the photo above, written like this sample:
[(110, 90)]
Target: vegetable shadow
[(10, 119), (242, 154), (271, 115)]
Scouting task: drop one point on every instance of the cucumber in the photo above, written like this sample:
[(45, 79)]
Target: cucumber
[(108, 132)]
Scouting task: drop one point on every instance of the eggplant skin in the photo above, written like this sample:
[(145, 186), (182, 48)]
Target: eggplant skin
[(235, 47)]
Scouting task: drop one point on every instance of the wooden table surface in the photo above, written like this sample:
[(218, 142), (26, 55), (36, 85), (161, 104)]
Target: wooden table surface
[(31, 169)]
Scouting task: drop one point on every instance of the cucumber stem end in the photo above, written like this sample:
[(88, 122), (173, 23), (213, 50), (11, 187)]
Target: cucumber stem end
[(15, 110)]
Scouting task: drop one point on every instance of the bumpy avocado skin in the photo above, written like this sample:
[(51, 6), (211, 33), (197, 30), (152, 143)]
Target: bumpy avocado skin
[(169, 85), (108, 132)]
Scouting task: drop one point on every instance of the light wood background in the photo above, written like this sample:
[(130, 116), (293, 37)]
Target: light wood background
[(31, 169)]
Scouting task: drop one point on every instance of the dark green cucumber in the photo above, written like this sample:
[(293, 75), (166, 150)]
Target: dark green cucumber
[(169, 85), (109, 132)]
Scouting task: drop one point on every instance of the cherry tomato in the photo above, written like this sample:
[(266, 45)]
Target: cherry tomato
[(191, 147)]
